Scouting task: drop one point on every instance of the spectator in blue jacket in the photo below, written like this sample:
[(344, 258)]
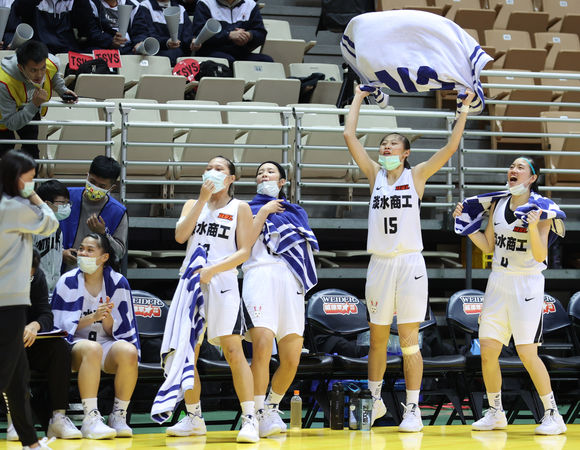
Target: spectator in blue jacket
[(168, 48), (242, 30), (106, 16)]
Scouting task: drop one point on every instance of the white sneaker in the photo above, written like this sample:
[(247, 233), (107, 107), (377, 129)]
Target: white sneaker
[(379, 409), (190, 425), (11, 434), (249, 430), (411, 422), (60, 426), (94, 427), (43, 443), (551, 423), (118, 421), (494, 419), (270, 422)]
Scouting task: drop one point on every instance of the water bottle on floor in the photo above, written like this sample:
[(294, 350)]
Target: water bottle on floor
[(354, 411), (366, 409), (296, 411), (337, 407)]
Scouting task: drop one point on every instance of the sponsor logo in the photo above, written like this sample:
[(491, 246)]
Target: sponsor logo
[(339, 304), (496, 223), (549, 305), (147, 307), (472, 304), (402, 187), (223, 291), (257, 311), (526, 299), (520, 230), (225, 216), (420, 276)]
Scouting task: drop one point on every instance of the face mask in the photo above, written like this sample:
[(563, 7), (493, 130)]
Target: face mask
[(87, 264), (390, 162), (518, 189), (269, 188), (28, 189), (216, 177), (62, 211), (94, 193)]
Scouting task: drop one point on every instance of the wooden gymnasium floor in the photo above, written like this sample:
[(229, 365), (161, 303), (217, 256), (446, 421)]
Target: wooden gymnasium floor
[(433, 437)]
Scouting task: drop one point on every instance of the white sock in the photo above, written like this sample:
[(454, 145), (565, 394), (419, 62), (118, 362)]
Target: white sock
[(259, 401), (89, 404), (120, 405), (58, 412), (273, 398), (549, 402), (248, 408), (494, 400), (375, 388), (413, 396), (194, 409)]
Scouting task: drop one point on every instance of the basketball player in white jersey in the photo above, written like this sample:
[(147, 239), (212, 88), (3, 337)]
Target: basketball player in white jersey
[(514, 297), (397, 276), (222, 225)]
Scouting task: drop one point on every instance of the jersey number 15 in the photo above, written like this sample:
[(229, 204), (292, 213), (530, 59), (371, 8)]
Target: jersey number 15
[(390, 225)]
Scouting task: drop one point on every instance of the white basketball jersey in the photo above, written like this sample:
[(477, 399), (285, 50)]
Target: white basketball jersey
[(215, 231), (261, 254), (394, 221), (512, 251), (94, 331)]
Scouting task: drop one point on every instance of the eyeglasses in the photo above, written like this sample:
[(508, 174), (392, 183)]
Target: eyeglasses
[(61, 202)]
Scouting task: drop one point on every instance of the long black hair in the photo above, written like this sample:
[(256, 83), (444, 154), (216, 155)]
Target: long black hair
[(281, 171), (406, 145), (12, 165), (105, 245)]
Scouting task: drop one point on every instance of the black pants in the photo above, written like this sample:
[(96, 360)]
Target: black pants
[(26, 132), (14, 372), (52, 357)]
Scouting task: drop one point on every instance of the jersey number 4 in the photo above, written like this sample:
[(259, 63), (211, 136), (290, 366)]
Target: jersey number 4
[(390, 225)]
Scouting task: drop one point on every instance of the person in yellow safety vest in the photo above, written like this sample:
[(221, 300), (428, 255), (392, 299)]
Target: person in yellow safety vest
[(27, 80)]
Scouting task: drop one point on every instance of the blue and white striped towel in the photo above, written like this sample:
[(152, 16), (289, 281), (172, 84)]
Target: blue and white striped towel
[(184, 326), (289, 235), (67, 303), (413, 51)]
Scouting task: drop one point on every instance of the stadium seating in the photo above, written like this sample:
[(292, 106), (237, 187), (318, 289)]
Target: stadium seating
[(561, 144), (99, 87), (518, 15)]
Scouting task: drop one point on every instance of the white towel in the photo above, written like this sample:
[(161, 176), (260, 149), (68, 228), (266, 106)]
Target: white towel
[(413, 51), (185, 322)]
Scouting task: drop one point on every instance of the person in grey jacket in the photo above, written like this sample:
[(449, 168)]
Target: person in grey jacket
[(22, 214), (27, 80)]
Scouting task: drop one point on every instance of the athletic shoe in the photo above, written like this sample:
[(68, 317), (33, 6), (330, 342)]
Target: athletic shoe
[(118, 421), (411, 422), (60, 426), (270, 421), (494, 419), (379, 409), (43, 443), (95, 428), (190, 425), (249, 430), (11, 434), (551, 423)]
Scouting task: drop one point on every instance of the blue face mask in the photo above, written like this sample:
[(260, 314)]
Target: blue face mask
[(28, 189), (390, 162), (216, 177), (63, 211)]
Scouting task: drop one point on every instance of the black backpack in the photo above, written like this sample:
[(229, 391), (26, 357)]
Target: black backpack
[(307, 86), (213, 69), (93, 66)]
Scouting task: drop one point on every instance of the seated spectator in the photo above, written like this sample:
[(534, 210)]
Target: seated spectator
[(189, 6), (27, 80), (242, 30), (13, 22), (56, 196), (50, 356), (172, 50), (106, 17), (93, 210), (52, 22), (94, 305)]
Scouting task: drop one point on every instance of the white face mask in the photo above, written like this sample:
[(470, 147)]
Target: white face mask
[(28, 189), (216, 177), (62, 211), (519, 189), (87, 264), (269, 188), (390, 162)]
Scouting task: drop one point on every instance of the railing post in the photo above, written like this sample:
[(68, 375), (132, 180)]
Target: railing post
[(124, 133), (285, 115), (297, 155), (109, 129), (468, 243), (450, 165)]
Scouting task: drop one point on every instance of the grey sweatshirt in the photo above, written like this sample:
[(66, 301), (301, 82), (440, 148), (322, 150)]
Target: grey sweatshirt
[(12, 117), (19, 221)]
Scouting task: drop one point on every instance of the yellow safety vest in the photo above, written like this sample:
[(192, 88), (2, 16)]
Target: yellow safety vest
[(17, 89)]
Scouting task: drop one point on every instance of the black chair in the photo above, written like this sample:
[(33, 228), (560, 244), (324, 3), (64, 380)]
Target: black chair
[(445, 373), (463, 312), (337, 313)]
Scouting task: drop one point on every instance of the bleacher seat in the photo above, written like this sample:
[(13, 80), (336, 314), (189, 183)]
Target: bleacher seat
[(562, 96), (327, 90), (561, 144), (99, 87), (201, 59), (518, 15), (280, 45), (469, 14), (161, 88), (514, 50), (554, 43), (133, 66), (558, 10), (420, 5)]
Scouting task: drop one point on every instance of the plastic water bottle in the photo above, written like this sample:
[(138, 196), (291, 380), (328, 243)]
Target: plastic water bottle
[(354, 412), (296, 411), (337, 407), (366, 409)]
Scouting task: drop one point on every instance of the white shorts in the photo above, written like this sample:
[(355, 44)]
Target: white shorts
[(396, 285), (106, 344), (223, 307), (513, 304), (273, 299)]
